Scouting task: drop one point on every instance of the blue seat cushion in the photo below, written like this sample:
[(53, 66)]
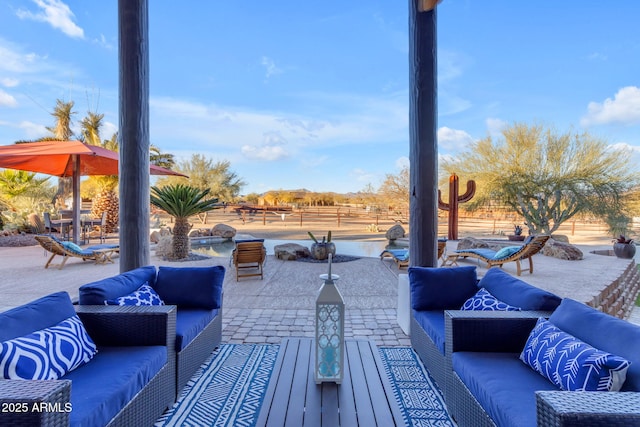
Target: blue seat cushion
[(433, 324), (100, 389), (36, 315), (486, 253), (441, 288), (603, 332), (399, 254), (196, 287), (503, 385), (516, 292), (189, 323), (96, 293)]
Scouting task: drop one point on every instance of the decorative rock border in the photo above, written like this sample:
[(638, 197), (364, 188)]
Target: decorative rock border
[(619, 297)]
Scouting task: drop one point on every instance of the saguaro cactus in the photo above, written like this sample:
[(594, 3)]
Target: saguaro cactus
[(454, 200)]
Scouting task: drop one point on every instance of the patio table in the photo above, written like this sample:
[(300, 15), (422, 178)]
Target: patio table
[(365, 397)]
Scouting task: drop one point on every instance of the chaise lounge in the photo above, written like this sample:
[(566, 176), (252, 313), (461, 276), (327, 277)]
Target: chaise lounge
[(101, 254), (504, 255)]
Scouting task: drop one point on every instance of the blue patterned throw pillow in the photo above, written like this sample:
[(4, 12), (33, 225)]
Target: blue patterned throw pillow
[(144, 295), (47, 354), (483, 300), (571, 364)]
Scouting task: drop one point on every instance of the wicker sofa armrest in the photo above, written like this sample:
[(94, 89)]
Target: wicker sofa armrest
[(488, 331), (130, 326), (35, 403), (572, 408)]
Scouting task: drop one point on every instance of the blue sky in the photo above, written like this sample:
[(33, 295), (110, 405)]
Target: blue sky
[(315, 95)]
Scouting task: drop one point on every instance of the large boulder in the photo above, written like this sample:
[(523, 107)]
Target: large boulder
[(200, 232), (223, 230), (562, 250), (165, 246), (471, 243), (156, 235), (291, 251), (395, 232)]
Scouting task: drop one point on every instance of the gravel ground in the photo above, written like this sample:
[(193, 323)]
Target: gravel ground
[(15, 240)]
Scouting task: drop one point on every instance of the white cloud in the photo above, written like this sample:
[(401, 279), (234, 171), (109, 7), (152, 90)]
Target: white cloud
[(55, 13), (103, 42), (453, 139), (495, 126), (33, 130), (402, 162), (624, 109), (270, 66), (361, 175), (9, 82), (623, 146), (7, 100), (268, 153), (11, 60)]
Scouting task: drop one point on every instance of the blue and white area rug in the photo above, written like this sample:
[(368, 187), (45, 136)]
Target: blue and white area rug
[(418, 397), (229, 388)]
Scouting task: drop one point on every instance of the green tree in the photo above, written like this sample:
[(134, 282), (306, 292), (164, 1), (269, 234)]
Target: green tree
[(394, 190), (15, 183), (161, 159), (182, 202), (547, 177), (203, 173)]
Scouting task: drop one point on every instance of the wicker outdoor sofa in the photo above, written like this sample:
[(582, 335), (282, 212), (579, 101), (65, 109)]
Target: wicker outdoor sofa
[(197, 293), (110, 389), (489, 385), (434, 290)]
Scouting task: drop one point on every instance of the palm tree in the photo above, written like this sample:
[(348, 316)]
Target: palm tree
[(61, 130), (158, 158), (181, 202)]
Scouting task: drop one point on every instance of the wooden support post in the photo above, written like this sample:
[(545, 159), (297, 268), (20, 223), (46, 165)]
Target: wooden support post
[(133, 66), (423, 144), (264, 217)]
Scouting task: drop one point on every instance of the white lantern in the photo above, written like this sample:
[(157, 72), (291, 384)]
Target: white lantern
[(329, 331)]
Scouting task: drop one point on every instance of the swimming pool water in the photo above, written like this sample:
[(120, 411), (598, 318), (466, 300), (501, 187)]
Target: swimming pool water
[(343, 247)]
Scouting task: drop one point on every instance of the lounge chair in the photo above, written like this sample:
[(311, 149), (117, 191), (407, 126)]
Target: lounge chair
[(401, 256), (249, 255), (101, 254), (508, 254)]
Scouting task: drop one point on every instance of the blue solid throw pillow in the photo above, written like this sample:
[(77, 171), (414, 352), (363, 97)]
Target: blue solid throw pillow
[(516, 292), (96, 293), (506, 252), (198, 287), (144, 295), (441, 288), (571, 364), (47, 354), (484, 301)]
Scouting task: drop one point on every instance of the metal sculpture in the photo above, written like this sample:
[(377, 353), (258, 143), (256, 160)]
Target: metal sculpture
[(454, 200)]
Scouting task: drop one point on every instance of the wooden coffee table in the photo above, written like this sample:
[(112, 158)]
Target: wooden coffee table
[(365, 397)]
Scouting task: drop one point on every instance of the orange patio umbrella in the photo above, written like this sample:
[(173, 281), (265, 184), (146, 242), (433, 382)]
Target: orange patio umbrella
[(66, 159)]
